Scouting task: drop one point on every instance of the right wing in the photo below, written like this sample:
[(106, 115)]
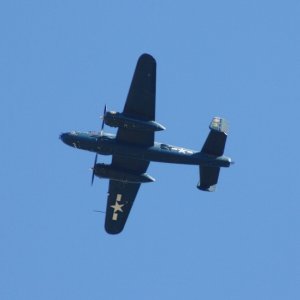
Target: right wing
[(121, 195), (140, 102), (119, 202)]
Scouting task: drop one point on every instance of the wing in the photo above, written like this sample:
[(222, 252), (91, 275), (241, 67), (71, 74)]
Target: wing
[(121, 195), (140, 102)]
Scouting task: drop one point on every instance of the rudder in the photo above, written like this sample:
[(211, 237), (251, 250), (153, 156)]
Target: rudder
[(208, 178), (214, 145), (216, 140)]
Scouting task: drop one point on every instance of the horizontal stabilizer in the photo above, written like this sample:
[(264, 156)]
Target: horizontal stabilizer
[(215, 142), (208, 178)]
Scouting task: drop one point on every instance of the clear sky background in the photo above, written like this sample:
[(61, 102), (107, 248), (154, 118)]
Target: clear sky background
[(61, 61)]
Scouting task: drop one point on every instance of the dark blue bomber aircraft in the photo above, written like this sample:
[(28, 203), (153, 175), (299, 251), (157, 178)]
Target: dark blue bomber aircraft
[(133, 147)]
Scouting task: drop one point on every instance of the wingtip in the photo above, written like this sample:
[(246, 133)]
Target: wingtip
[(147, 56), (113, 231)]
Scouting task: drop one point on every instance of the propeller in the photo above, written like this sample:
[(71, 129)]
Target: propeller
[(96, 156), (102, 126), (95, 162)]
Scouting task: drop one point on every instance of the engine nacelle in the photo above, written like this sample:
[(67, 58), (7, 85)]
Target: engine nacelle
[(116, 119), (109, 172)]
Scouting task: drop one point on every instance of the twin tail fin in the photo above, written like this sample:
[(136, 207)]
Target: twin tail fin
[(214, 145)]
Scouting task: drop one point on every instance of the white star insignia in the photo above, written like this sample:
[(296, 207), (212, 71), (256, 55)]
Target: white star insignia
[(117, 207)]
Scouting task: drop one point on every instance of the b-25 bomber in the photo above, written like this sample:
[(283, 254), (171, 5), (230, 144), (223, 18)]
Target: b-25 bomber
[(133, 147)]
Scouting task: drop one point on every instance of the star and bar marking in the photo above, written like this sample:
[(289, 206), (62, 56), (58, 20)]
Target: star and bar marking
[(117, 207)]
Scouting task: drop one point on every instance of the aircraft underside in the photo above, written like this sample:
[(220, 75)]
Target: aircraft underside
[(133, 147)]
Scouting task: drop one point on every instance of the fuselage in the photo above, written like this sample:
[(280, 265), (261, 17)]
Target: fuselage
[(107, 144)]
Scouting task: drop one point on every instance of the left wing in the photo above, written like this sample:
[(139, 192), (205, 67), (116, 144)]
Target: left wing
[(121, 195), (140, 102)]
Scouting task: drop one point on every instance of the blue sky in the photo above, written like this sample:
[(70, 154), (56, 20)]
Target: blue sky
[(61, 61)]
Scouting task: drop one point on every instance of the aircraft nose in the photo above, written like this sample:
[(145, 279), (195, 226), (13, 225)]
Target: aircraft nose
[(64, 137), (71, 139)]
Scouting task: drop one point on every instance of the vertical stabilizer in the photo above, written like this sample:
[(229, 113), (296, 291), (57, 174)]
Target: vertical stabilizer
[(208, 178), (214, 145), (215, 142)]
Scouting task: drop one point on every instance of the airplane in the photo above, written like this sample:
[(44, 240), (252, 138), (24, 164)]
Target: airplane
[(133, 147)]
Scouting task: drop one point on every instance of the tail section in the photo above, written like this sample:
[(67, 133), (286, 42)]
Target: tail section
[(214, 146), (215, 142), (208, 178)]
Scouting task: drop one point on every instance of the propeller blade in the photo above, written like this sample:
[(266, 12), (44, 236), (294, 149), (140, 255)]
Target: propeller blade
[(105, 108), (95, 162), (102, 126), (101, 133)]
